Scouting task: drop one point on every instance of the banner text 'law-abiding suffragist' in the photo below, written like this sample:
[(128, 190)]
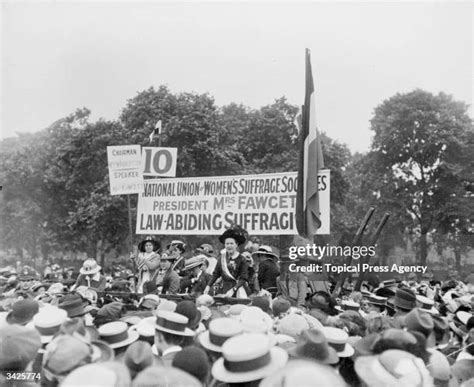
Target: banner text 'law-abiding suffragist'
[(262, 204)]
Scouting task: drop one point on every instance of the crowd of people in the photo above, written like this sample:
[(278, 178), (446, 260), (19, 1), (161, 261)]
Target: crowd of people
[(236, 317)]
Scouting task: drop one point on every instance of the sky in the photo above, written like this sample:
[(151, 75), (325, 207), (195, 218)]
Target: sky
[(59, 56)]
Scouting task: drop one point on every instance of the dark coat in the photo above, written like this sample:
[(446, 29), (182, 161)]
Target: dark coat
[(197, 287), (240, 271), (170, 283), (268, 272)]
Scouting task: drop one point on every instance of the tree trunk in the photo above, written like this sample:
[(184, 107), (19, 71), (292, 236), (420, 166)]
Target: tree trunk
[(457, 255), (423, 249)]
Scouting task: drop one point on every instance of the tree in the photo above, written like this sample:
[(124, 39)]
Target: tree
[(416, 158)]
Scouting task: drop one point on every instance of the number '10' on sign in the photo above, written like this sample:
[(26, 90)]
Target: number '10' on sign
[(159, 161)]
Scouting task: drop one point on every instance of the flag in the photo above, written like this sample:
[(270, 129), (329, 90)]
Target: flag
[(309, 163), (156, 131)]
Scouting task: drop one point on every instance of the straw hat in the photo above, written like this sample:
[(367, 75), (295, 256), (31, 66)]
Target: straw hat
[(173, 323), (337, 338), (312, 344), (117, 334), (48, 321), (248, 357), (426, 304), (220, 330)]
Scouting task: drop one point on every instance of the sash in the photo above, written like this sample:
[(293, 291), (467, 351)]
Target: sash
[(173, 266), (240, 293)]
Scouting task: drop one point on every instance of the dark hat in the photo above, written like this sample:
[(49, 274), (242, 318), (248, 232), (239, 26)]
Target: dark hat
[(405, 299), (206, 249), (108, 313), (419, 321), (262, 303), (138, 356), (19, 346), (235, 232), (194, 361), (22, 312), (73, 304), (156, 244), (280, 306), (188, 309), (312, 344), (384, 292)]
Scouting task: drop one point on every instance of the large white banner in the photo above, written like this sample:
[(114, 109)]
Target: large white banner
[(125, 175), (262, 204)]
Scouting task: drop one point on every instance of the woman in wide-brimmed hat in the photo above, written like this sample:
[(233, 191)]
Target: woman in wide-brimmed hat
[(146, 261), (89, 276), (232, 266)]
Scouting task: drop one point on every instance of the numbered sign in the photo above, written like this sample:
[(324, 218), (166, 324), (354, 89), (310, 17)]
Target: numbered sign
[(159, 161)]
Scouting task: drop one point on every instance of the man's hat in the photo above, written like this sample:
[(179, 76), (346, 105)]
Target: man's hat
[(22, 312), (419, 321), (189, 310), (194, 361), (73, 304), (173, 323), (235, 232), (206, 249), (117, 334), (156, 244), (191, 263), (267, 251), (220, 330), (312, 344), (138, 356), (110, 373), (389, 367), (337, 338), (19, 346), (165, 376), (426, 304), (405, 299), (90, 267), (248, 357), (48, 321)]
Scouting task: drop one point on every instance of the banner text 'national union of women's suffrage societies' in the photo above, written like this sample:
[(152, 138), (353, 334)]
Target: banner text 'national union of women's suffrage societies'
[(261, 204)]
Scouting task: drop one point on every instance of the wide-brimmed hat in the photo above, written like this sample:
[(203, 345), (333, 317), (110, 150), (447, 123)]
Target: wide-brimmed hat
[(248, 357), (404, 299), (193, 262), (150, 301), (188, 309), (156, 244), (292, 325), (312, 344), (166, 256), (22, 312), (376, 300), (426, 304), (19, 346), (110, 373), (48, 321), (348, 305), (337, 338), (138, 356), (117, 334), (90, 267), (173, 323), (206, 249), (235, 232), (267, 251), (280, 306), (178, 244), (63, 354), (255, 320), (73, 304), (165, 376), (419, 321), (389, 367), (299, 372), (220, 330)]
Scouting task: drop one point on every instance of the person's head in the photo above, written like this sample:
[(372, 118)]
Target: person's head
[(149, 247), (165, 264), (230, 245)]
